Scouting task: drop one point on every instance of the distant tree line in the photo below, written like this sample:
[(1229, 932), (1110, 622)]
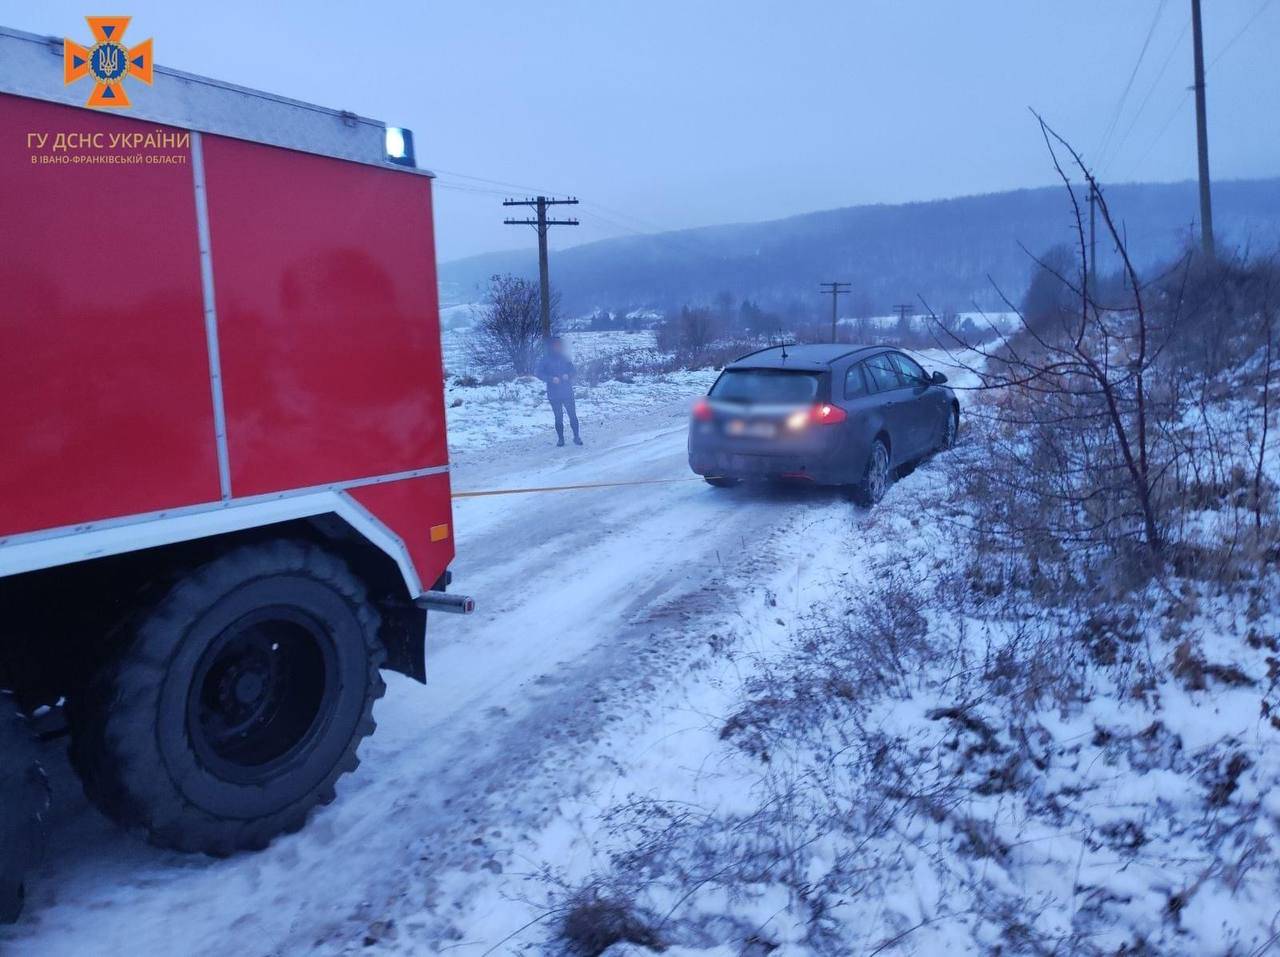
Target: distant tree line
[(618, 320), (689, 329)]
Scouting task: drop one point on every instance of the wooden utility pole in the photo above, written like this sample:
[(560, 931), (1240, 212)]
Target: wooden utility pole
[(542, 224), (835, 290), (901, 309), (1202, 133), (1091, 274)]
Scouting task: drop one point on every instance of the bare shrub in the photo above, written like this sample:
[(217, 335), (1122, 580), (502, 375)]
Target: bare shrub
[(689, 330), (850, 807), (623, 366), (716, 355), (508, 333), (593, 923), (1111, 427)]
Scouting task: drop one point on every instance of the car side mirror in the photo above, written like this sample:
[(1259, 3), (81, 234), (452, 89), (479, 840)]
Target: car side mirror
[(937, 378)]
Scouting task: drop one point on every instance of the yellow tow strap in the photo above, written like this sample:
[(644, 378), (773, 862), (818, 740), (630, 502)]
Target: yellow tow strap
[(571, 488)]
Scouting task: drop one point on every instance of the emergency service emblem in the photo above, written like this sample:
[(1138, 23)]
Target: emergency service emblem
[(107, 62)]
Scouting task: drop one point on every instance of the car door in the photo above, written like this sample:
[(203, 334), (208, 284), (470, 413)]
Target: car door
[(894, 401), (926, 406), (860, 403)]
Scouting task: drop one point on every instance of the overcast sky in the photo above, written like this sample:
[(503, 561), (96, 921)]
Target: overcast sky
[(672, 113)]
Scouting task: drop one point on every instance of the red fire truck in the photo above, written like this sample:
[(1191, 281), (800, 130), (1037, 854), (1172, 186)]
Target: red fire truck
[(224, 480)]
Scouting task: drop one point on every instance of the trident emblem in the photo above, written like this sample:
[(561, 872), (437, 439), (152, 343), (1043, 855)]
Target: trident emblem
[(108, 61)]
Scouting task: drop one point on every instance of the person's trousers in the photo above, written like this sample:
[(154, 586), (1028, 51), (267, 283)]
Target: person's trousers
[(560, 404)]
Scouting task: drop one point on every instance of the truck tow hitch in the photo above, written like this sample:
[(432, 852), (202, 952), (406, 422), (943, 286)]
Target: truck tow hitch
[(442, 601)]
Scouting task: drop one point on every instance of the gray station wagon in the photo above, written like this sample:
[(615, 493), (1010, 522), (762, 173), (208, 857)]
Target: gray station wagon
[(830, 414)]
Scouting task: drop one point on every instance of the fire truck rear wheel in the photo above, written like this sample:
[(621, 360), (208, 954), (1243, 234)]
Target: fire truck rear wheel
[(240, 696), (24, 802)]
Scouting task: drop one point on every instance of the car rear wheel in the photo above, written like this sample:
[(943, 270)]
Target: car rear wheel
[(950, 429), (240, 695), (875, 480), (721, 481)]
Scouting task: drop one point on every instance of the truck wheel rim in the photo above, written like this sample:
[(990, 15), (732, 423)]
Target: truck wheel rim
[(257, 700)]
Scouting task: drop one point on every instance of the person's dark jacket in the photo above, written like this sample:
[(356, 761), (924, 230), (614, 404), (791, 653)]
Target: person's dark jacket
[(554, 365)]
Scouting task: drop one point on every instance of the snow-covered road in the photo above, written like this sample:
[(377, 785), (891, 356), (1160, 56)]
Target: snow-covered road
[(587, 601)]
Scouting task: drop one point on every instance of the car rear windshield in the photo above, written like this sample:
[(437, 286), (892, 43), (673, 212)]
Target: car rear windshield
[(766, 386)]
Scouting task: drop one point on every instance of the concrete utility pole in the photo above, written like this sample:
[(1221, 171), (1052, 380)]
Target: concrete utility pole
[(1202, 133), (835, 290), (541, 224)]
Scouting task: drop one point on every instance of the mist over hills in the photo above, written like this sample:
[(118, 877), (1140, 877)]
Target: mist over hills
[(947, 251)]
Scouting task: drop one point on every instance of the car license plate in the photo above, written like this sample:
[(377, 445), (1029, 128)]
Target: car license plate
[(752, 430)]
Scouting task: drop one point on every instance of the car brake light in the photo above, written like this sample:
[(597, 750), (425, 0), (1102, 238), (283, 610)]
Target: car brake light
[(826, 414), (702, 410), (821, 413)]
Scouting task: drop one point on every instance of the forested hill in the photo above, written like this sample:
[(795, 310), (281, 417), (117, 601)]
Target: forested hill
[(944, 250)]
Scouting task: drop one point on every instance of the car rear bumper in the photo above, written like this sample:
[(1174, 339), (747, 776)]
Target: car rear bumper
[(753, 465)]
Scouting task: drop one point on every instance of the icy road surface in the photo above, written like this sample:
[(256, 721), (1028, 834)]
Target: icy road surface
[(588, 604)]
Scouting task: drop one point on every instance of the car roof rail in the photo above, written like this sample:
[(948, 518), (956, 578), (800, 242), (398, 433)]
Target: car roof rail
[(756, 352), (784, 346), (855, 351)]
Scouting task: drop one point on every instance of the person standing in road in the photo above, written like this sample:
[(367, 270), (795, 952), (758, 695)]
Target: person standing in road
[(557, 371)]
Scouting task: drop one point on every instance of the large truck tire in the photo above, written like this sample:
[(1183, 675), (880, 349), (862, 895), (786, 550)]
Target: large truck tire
[(24, 799), (238, 697)]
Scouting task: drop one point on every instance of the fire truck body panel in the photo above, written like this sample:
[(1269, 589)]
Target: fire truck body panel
[(326, 299), (400, 505), (183, 344), (104, 372)]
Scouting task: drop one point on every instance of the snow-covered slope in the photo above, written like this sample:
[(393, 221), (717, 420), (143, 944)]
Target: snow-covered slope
[(655, 670)]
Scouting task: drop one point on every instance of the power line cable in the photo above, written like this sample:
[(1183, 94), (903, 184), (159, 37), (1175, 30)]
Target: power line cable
[(1186, 95), (1133, 75), (646, 224), (464, 188), (589, 213), (1238, 34), (1155, 84), (525, 188), (609, 215)]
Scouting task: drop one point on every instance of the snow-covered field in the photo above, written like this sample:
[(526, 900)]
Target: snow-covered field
[(584, 347), (611, 722), (490, 414), (482, 415)]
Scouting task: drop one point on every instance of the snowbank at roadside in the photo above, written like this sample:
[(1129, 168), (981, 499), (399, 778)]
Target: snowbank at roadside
[(877, 752)]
